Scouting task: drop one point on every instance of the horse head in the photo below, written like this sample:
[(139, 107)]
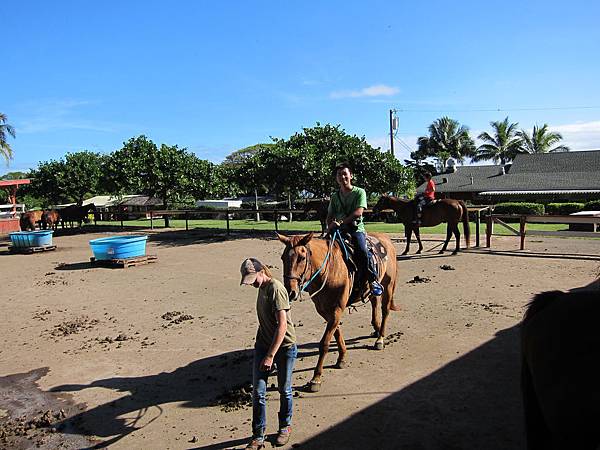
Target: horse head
[(296, 262), (382, 203)]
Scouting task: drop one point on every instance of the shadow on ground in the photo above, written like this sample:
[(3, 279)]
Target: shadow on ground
[(472, 402)]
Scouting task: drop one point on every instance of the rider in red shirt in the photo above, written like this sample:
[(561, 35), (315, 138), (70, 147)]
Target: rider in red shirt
[(421, 200)]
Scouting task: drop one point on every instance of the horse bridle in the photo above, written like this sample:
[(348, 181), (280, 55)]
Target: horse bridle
[(303, 275)]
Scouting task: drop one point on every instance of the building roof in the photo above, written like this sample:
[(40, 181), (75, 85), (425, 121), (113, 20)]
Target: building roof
[(6, 183), (575, 172), (140, 200)]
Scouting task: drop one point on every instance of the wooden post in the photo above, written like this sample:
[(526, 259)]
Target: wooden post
[(122, 219), (477, 223), (186, 221), (522, 231), (488, 231), (227, 219), (151, 220), (276, 227)]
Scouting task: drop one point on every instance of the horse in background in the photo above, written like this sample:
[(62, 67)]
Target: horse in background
[(320, 206), (75, 213), (50, 219), (29, 219), (560, 347), (331, 286), (444, 210)]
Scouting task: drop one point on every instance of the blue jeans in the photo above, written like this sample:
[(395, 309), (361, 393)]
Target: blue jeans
[(284, 359), (366, 270)]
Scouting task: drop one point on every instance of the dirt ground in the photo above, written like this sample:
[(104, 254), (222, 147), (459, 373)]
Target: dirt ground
[(146, 357)]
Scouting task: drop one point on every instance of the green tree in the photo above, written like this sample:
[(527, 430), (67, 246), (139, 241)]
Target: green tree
[(447, 139), (47, 182), (541, 140), (5, 130), (81, 175), (17, 175), (502, 146)]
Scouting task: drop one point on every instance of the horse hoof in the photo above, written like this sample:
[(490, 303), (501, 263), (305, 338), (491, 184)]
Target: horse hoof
[(441, 252), (314, 386), (379, 345), (341, 365), (418, 252)]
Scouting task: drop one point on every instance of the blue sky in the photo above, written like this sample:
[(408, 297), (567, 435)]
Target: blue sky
[(218, 76)]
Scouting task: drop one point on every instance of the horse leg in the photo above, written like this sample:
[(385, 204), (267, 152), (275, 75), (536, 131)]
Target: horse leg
[(375, 320), (386, 303), (339, 338), (456, 232), (448, 236), (408, 235), (418, 236), (332, 324)]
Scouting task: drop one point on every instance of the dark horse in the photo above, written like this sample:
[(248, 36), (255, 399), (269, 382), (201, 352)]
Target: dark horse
[(560, 347), (445, 210), (50, 219), (75, 213), (302, 258), (29, 219), (320, 206)]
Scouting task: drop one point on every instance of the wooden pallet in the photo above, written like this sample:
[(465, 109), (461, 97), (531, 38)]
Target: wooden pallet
[(124, 263), (28, 250)]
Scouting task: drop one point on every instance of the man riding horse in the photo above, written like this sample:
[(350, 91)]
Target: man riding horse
[(345, 212), (425, 198)]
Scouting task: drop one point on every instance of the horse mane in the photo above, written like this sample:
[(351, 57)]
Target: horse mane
[(540, 302)]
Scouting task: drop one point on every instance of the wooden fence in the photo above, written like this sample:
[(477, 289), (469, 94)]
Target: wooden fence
[(501, 219)]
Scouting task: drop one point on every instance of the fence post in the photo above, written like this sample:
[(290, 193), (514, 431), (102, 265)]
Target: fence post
[(276, 224), (186, 221), (488, 230), (522, 231), (151, 220), (122, 220), (227, 219)]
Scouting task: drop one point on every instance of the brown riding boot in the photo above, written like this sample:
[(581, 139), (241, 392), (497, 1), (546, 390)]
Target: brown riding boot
[(283, 436)]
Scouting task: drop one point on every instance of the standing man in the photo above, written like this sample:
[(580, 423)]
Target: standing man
[(345, 211), (275, 342)]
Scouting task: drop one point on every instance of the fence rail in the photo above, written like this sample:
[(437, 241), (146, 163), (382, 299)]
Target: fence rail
[(523, 219)]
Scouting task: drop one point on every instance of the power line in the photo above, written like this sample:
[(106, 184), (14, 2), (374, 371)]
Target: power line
[(549, 108)]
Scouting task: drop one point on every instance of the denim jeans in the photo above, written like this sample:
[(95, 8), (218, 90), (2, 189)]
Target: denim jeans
[(364, 262), (284, 359)]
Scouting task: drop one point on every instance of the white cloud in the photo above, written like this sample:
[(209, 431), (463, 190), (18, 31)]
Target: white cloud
[(378, 90), (580, 136), (56, 115)]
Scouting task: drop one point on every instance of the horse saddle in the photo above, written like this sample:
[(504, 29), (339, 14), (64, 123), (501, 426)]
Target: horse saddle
[(376, 252)]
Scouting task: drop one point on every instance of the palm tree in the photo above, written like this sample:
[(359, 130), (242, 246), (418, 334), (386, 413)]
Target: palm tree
[(541, 140), (5, 128), (503, 146), (447, 139)]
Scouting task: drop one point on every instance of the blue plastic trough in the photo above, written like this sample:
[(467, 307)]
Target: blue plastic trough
[(119, 247), (23, 239)]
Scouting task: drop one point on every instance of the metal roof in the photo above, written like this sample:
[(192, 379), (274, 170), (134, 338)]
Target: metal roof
[(547, 192)]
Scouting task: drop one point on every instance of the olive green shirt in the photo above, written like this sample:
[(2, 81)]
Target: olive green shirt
[(272, 298), (342, 205)]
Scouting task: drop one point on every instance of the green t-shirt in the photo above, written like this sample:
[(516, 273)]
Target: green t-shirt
[(342, 205), (272, 298)]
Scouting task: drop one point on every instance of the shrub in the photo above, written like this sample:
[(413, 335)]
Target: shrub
[(563, 209), (519, 208), (593, 205)]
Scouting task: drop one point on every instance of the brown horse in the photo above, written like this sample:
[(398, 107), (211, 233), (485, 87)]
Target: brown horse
[(330, 288), (29, 219), (320, 206), (445, 210), (560, 347), (50, 219)]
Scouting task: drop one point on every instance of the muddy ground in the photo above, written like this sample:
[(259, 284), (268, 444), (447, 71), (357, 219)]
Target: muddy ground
[(158, 356)]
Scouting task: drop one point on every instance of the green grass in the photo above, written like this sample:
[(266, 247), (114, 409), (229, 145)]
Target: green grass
[(315, 226)]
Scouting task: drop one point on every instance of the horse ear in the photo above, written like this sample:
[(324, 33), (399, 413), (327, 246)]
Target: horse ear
[(306, 239), (282, 238)]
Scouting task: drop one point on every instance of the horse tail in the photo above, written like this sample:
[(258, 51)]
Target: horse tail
[(465, 221)]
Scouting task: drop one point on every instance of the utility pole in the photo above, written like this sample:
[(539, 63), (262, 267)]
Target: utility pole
[(392, 131)]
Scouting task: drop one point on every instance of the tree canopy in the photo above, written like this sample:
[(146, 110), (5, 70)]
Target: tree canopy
[(5, 130), (541, 140), (502, 146)]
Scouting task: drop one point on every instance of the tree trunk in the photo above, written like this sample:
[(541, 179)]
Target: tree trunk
[(290, 205), (166, 216)]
